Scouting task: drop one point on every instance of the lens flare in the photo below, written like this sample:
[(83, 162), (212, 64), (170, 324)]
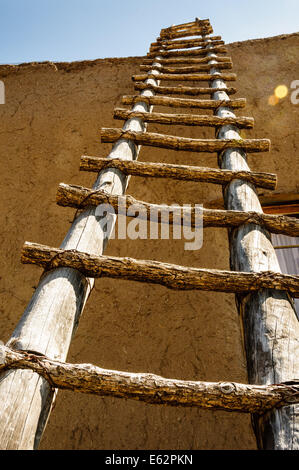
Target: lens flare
[(273, 100), (281, 91)]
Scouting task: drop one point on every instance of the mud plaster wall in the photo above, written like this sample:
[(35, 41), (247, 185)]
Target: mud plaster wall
[(52, 116)]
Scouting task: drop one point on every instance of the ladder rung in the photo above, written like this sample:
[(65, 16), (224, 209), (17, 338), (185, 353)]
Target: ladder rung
[(182, 90), (184, 102), (179, 172), (165, 42), (80, 197), (150, 388), (183, 143), (186, 77), (190, 69), (187, 45), (205, 30), (191, 24), (185, 119), (195, 52), (190, 60), (155, 272)]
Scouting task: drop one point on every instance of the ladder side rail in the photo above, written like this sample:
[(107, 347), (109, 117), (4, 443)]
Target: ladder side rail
[(268, 318), (52, 315)]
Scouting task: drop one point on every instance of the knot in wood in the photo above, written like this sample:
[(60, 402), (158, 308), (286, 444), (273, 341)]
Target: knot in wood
[(226, 388)]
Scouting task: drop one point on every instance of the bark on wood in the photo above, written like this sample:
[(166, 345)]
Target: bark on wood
[(185, 102), (165, 42), (190, 69), (205, 30), (150, 388), (182, 90), (191, 24), (269, 320), (188, 60), (80, 197), (190, 77), (185, 119), (183, 143), (155, 272), (191, 53), (185, 45), (180, 172), (52, 315)]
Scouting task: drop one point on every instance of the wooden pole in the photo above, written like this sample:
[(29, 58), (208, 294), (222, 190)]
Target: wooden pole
[(184, 143), (180, 172), (186, 60), (185, 119), (188, 32), (165, 43), (269, 320), (185, 45), (181, 90), (80, 197), (190, 77), (184, 102), (190, 53), (52, 315), (150, 388), (169, 275), (188, 69)]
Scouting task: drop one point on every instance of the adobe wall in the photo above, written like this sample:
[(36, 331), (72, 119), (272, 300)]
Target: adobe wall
[(52, 116)]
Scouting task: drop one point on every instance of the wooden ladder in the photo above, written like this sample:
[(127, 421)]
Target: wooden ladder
[(32, 363)]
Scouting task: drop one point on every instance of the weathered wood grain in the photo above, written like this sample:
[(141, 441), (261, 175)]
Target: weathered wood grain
[(180, 172), (184, 143), (269, 320), (182, 26), (191, 24), (190, 53), (185, 102), (150, 388), (164, 42), (184, 119), (204, 30), (188, 77), (80, 197), (169, 275), (187, 61), (182, 90), (189, 69), (184, 45)]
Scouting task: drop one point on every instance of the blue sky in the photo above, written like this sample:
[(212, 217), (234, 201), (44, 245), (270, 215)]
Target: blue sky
[(66, 30)]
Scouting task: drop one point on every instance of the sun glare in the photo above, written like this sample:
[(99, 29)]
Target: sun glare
[(281, 91)]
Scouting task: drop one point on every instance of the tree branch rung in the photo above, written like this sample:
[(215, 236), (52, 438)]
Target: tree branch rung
[(150, 388)]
